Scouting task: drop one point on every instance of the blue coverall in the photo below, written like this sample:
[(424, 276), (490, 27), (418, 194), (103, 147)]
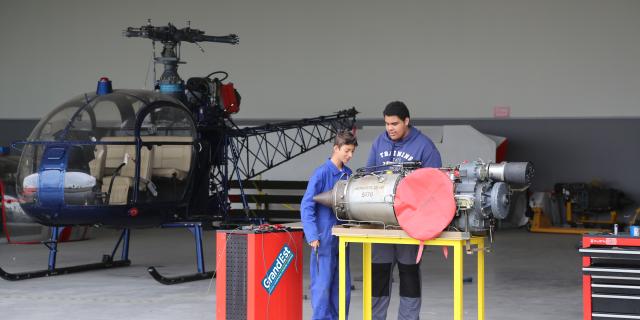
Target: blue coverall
[(317, 221)]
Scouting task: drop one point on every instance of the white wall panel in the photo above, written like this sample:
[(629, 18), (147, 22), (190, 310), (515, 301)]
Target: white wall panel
[(445, 58)]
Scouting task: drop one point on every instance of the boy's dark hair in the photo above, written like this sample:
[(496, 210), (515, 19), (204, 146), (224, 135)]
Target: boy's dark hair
[(397, 108), (345, 137)]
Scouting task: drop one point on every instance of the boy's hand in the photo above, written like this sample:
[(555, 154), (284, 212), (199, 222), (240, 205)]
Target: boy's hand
[(315, 244)]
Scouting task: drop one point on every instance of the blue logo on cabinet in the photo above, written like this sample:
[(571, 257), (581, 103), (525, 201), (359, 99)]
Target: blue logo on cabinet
[(278, 268)]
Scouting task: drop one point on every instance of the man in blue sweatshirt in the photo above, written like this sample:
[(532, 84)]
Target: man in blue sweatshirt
[(317, 221), (399, 143)]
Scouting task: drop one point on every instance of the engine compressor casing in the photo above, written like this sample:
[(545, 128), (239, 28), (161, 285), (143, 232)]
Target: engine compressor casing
[(367, 198)]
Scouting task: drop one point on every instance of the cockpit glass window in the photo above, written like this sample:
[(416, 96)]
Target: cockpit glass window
[(28, 167), (168, 121), (80, 128), (107, 114), (52, 127), (115, 115)]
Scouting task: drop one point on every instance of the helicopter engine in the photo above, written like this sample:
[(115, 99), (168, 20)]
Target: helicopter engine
[(480, 191)]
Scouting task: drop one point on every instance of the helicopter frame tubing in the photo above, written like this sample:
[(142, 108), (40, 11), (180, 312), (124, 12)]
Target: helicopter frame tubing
[(258, 150), (249, 152), (254, 150)]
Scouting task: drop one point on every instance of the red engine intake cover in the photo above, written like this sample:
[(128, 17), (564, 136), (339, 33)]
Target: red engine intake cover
[(424, 203)]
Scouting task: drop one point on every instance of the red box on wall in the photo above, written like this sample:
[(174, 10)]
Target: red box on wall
[(259, 275)]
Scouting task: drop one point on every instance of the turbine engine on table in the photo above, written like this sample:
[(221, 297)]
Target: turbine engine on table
[(480, 194)]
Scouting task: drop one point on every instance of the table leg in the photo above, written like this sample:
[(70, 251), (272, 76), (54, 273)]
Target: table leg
[(457, 281), (342, 296), (481, 279), (366, 281)]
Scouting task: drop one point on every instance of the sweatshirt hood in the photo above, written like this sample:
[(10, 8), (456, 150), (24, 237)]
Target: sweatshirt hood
[(413, 133)]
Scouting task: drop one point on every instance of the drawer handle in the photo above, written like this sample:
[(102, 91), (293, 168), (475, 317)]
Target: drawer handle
[(616, 278), (637, 252), (619, 286), (613, 296), (612, 270), (615, 316)]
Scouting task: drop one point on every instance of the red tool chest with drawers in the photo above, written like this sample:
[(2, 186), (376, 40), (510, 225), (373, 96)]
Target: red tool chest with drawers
[(610, 276)]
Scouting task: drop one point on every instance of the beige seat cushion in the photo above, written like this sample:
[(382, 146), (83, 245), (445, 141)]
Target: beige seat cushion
[(120, 189), (96, 166), (114, 156), (171, 160)]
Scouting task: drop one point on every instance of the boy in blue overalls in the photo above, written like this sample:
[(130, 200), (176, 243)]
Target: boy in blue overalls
[(317, 221)]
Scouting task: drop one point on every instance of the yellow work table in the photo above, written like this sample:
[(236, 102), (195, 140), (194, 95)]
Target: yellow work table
[(457, 240)]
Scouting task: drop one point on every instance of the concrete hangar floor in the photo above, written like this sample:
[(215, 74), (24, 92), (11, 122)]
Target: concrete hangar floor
[(528, 276)]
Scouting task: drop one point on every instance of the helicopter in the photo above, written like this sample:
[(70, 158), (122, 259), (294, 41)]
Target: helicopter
[(127, 159)]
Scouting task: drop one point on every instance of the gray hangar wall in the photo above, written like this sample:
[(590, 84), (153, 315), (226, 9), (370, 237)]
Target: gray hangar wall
[(446, 58)]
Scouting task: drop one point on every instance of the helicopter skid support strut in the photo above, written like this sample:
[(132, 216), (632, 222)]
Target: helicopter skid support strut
[(196, 229), (107, 260)]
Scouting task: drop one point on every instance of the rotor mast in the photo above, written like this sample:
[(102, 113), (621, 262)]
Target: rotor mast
[(170, 82)]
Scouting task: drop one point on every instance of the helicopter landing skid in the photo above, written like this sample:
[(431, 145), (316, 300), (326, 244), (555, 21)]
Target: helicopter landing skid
[(180, 279), (52, 244), (196, 229)]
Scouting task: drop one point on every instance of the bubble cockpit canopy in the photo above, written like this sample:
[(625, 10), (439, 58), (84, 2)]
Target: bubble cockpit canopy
[(92, 117), (96, 138)]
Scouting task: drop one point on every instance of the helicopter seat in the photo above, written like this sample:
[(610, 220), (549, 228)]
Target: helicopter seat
[(96, 165), (115, 156), (170, 160)]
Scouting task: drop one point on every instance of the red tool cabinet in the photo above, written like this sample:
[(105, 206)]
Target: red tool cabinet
[(259, 275), (610, 276)]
